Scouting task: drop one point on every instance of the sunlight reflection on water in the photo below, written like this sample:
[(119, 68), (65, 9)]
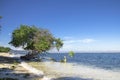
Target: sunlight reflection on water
[(70, 70)]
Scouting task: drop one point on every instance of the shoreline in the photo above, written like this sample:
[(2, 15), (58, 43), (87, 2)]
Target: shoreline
[(23, 70), (64, 71), (76, 72)]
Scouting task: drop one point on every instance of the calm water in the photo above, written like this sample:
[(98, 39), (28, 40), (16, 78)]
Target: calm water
[(88, 66), (83, 66), (101, 60)]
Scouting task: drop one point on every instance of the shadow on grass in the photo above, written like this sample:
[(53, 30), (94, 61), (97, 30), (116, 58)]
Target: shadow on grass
[(9, 60), (9, 74), (71, 78)]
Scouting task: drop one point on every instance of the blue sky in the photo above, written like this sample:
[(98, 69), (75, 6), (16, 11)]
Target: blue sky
[(84, 25)]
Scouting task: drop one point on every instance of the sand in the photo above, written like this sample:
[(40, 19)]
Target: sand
[(10, 67)]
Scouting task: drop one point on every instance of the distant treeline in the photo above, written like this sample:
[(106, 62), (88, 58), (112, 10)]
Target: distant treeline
[(4, 49)]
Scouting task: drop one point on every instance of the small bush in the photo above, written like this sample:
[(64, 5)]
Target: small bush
[(4, 49), (13, 67)]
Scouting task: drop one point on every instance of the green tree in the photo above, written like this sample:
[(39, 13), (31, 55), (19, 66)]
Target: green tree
[(35, 39), (4, 49), (58, 43), (71, 53)]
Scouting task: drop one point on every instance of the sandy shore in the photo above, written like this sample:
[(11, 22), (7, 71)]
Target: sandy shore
[(13, 68), (69, 71), (51, 70)]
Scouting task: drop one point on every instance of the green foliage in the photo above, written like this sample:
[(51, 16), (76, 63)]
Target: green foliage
[(71, 53), (43, 40), (64, 60), (4, 49), (13, 67), (59, 43), (23, 36), (33, 38)]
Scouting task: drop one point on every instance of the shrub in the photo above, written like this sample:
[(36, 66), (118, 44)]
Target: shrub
[(13, 67), (4, 49)]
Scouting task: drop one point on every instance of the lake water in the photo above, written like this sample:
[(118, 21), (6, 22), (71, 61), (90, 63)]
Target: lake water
[(84, 66), (101, 60), (88, 66)]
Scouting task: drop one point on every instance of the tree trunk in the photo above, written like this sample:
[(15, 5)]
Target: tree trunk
[(31, 55)]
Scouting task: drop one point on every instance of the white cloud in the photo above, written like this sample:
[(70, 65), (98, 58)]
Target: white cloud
[(87, 40), (67, 37), (75, 44), (88, 45), (79, 41)]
